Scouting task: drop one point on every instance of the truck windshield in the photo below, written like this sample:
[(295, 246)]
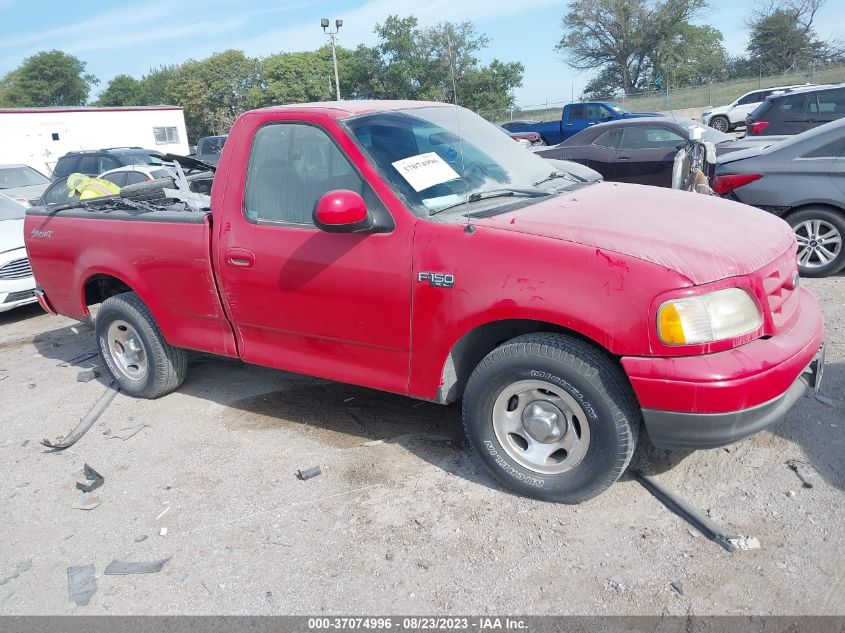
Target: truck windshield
[(441, 158)]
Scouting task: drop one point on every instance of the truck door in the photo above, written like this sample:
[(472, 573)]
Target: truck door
[(574, 119), (335, 305)]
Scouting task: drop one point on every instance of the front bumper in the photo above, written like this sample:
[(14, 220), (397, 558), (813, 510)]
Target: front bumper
[(17, 293), (712, 400)]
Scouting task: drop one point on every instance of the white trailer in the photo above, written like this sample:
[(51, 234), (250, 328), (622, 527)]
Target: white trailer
[(39, 136)]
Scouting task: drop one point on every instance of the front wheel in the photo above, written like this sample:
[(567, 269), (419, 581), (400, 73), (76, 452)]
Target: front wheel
[(720, 123), (552, 417), (134, 350), (820, 233)]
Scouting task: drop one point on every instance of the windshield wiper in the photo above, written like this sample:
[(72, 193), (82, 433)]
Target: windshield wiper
[(555, 175), (492, 193)]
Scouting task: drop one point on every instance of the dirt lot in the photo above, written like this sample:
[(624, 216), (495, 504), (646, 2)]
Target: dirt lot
[(402, 520)]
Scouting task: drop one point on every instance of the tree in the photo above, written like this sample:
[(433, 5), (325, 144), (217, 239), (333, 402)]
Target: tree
[(122, 90), (154, 86), (692, 56), (214, 91), (621, 38), (782, 37), (296, 78), (50, 78)]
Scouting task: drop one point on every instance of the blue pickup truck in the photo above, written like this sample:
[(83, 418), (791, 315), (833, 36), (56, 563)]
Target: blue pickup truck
[(576, 117)]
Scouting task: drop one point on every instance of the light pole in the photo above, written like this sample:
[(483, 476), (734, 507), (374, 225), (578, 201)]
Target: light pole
[(333, 36)]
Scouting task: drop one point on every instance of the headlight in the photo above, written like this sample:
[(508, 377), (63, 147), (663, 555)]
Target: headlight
[(710, 317)]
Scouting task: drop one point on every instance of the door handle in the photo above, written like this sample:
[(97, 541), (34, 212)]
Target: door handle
[(240, 258), (624, 158)]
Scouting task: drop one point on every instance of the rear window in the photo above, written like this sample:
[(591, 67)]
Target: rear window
[(793, 103), (65, 166)]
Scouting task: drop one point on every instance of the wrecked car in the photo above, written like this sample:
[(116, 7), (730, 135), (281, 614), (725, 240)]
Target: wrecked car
[(412, 247)]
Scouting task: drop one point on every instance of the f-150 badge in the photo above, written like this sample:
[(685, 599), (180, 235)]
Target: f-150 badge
[(438, 280)]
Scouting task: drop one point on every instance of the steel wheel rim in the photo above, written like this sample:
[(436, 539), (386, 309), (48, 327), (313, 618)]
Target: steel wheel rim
[(126, 350), (719, 124), (541, 427), (819, 243)]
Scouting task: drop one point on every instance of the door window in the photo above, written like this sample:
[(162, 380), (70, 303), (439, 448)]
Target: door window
[(642, 137), (106, 163), (88, 165), (793, 104), (830, 102), (829, 150), (576, 111), (593, 111), (754, 97), (609, 139), (118, 178), (290, 167)]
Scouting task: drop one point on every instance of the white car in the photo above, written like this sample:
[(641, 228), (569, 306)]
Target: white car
[(133, 174), (22, 183), (726, 118), (17, 285)]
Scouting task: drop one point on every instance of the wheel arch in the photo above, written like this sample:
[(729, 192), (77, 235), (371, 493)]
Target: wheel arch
[(468, 351), (825, 204), (100, 286)]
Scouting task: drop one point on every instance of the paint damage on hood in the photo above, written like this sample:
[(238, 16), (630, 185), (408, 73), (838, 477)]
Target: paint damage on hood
[(703, 238)]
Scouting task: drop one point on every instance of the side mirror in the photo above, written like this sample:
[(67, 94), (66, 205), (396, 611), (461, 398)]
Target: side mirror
[(342, 211)]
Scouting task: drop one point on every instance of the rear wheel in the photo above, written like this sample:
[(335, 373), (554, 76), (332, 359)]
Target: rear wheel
[(552, 417), (134, 350), (720, 123), (820, 232)]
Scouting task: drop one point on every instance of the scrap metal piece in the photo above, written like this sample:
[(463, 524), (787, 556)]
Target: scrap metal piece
[(308, 473), (745, 542), (125, 434), (119, 567), (87, 376), (20, 568), (801, 472), (193, 201), (93, 476), (85, 423), (683, 509), (81, 583)]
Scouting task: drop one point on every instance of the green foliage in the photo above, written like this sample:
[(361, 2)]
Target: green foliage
[(214, 91), (295, 78), (623, 39), (50, 78), (122, 90), (694, 55)]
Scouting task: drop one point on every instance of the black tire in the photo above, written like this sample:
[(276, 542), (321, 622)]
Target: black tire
[(577, 368), (831, 221), (166, 365), (151, 191), (721, 123)]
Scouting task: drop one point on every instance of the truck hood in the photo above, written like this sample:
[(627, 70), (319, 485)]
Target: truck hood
[(703, 238), (11, 235), (718, 110)]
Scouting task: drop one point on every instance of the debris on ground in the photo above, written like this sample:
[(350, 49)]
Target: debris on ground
[(791, 493), (20, 568), (87, 501), (308, 473), (119, 567), (678, 586), (693, 533), (701, 521), (81, 583), (162, 532), (616, 582), (163, 512), (86, 422), (125, 434), (799, 468), (87, 376), (138, 539), (93, 476), (745, 542)]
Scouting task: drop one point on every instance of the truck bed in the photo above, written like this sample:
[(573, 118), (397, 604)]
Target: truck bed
[(95, 245)]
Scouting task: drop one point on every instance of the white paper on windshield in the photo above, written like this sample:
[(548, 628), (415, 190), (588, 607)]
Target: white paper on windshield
[(425, 170)]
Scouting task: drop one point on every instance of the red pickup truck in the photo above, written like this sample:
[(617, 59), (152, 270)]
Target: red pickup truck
[(414, 248)]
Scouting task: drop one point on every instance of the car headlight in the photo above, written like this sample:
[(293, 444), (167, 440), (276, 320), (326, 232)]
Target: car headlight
[(706, 318)]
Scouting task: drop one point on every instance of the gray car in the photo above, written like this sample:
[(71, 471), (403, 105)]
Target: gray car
[(22, 183), (802, 180)]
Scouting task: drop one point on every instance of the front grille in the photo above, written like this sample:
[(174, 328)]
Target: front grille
[(16, 269), (19, 296), (777, 285)]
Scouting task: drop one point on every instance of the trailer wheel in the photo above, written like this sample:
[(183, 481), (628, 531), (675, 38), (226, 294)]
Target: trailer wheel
[(552, 417), (134, 350)]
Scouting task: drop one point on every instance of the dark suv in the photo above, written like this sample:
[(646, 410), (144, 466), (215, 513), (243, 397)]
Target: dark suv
[(794, 111), (96, 161)]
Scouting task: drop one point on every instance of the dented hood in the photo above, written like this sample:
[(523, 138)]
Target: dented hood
[(701, 237)]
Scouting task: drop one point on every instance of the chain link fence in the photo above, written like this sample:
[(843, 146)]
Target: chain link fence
[(715, 94)]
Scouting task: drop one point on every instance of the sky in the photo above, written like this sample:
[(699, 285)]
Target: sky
[(141, 34)]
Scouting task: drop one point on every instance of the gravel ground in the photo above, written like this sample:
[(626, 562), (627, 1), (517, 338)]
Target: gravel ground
[(402, 519)]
